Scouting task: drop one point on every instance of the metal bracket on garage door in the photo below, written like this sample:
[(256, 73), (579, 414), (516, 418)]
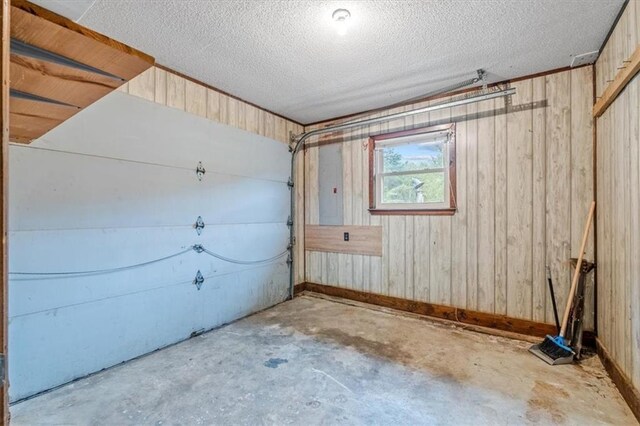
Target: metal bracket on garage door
[(198, 280), (200, 171), (2, 368), (199, 225)]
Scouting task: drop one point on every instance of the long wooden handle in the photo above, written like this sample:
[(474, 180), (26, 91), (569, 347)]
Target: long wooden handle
[(576, 274)]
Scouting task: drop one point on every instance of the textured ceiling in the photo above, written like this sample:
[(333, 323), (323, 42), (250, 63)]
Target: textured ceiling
[(286, 56)]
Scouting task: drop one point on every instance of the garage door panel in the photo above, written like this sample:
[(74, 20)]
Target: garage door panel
[(62, 191), (123, 126), (92, 336), (115, 186), (84, 250)]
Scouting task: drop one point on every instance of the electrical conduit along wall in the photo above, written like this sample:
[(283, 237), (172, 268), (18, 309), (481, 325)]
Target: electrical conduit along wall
[(117, 186)]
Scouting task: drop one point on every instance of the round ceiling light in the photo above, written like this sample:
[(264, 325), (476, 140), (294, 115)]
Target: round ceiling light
[(341, 18)]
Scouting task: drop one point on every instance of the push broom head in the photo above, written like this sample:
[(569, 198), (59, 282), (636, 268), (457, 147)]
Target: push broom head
[(553, 350)]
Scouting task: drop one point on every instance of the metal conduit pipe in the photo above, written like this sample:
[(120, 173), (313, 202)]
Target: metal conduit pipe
[(298, 142)]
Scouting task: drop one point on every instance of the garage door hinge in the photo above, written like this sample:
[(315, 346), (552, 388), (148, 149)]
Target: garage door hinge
[(200, 171), (199, 225), (289, 221), (198, 280), (290, 183), (2, 369)]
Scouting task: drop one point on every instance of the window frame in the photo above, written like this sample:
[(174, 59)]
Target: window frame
[(412, 209)]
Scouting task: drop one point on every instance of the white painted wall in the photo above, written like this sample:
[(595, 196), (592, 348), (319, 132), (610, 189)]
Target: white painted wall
[(114, 186)]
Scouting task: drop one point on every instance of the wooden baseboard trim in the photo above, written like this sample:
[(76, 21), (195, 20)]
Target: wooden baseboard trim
[(463, 316), (299, 288), (622, 382)]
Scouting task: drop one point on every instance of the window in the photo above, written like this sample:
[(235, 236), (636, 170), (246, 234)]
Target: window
[(413, 172)]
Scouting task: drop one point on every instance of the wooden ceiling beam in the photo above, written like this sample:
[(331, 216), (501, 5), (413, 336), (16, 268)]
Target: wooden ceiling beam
[(59, 83), (40, 27), (53, 79)]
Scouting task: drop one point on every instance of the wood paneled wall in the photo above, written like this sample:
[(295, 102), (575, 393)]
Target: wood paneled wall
[(618, 193), (620, 46), (173, 90), (524, 187)]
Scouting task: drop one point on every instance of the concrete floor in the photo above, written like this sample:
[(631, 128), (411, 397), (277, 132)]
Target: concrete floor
[(317, 361)]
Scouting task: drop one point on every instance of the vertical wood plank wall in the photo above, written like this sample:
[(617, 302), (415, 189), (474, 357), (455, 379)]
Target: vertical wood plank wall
[(618, 193), (166, 88), (524, 187)]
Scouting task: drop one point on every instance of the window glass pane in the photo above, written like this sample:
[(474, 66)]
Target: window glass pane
[(415, 189), (418, 156)]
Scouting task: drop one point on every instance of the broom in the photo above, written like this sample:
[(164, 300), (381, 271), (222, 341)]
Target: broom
[(556, 347), (553, 300)]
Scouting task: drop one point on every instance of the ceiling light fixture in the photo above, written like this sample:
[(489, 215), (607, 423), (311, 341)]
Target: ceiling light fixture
[(341, 18)]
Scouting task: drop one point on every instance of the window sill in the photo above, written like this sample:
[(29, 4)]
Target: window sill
[(413, 212)]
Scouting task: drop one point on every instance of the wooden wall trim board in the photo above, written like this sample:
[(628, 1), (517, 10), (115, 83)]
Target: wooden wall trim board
[(594, 165), (624, 76), (398, 212), (5, 12), (366, 240), (622, 382), (299, 288), (461, 316)]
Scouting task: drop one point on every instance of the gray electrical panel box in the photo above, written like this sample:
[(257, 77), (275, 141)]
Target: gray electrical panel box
[(330, 184)]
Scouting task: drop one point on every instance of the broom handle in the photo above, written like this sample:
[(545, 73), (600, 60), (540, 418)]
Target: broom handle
[(576, 274)]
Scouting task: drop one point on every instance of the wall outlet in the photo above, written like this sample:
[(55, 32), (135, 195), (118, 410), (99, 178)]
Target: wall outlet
[(346, 236)]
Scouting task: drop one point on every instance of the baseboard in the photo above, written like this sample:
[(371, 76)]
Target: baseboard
[(622, 382), (299, 288), (463, 316)]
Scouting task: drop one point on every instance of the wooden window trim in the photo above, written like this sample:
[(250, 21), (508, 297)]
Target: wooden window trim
[(452, 172)]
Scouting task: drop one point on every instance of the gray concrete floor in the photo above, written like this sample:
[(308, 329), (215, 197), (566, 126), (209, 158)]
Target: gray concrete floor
[(317, 361)]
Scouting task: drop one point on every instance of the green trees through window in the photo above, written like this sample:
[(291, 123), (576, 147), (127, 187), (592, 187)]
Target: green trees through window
[(425, 185), (413, 171)]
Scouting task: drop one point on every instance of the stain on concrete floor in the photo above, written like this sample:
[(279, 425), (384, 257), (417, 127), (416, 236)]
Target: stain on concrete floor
[(274, 362), (331, 363)]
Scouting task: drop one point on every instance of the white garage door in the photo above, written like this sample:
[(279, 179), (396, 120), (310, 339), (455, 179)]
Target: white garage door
[(117, 186)]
